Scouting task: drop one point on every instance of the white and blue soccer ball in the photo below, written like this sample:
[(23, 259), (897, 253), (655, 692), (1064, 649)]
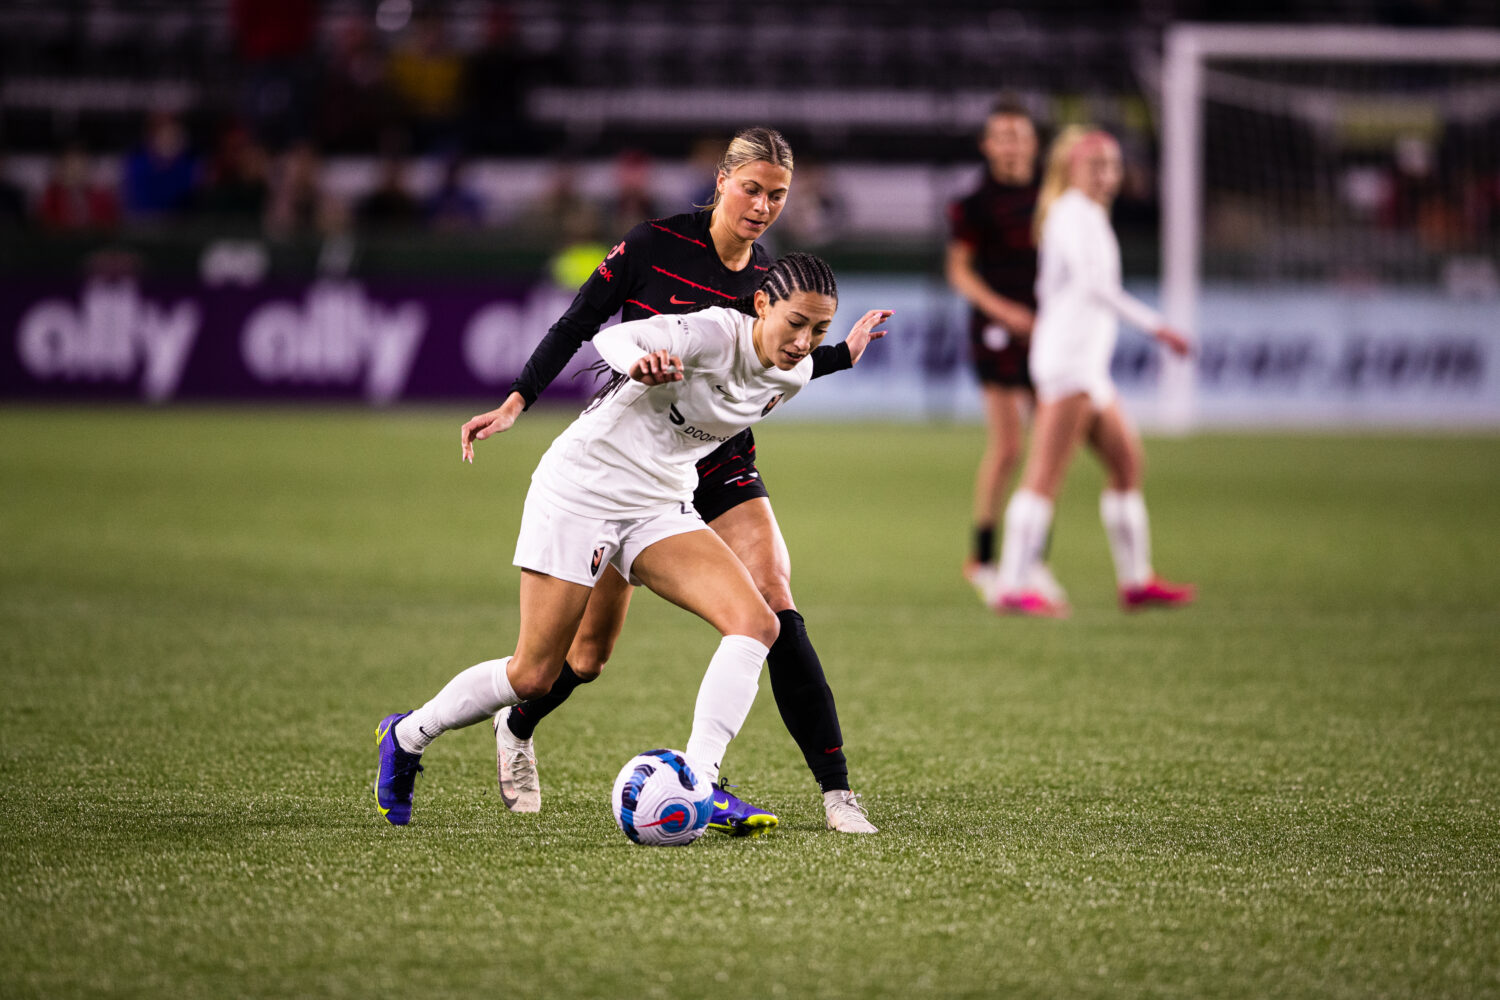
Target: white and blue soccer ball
[(660, 800)]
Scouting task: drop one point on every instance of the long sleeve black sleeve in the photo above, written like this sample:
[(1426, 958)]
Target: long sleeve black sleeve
[(567, 335), (601, 296), (831, 358)]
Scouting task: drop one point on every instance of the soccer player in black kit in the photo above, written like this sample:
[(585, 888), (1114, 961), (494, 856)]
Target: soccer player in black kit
[(675, 265), (991, 262)]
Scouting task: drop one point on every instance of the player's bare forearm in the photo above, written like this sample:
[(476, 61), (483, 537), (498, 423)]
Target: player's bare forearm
[(967, 282)]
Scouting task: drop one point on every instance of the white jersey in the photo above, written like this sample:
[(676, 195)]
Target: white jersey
[(1079, 296), (637, 450)]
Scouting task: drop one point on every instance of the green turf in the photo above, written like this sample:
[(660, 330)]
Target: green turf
[(1291, 790)]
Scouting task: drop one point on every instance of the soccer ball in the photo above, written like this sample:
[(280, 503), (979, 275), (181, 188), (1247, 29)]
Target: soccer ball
[(658, 799)]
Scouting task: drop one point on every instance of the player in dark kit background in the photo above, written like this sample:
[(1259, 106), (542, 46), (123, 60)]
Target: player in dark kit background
[(676, 265), (991, 262)]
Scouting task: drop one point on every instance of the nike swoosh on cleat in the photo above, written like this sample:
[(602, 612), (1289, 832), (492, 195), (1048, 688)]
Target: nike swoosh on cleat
[(384, 812), (721, 805), (380, 733)]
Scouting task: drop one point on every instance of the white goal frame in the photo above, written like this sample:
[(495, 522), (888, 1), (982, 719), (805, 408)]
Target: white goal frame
[(1188, 47)]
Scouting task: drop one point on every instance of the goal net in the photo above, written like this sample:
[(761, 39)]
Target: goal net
[(1331, 224)]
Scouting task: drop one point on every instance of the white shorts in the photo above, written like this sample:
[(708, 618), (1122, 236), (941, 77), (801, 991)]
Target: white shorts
[(1098, 386), (577, 547)]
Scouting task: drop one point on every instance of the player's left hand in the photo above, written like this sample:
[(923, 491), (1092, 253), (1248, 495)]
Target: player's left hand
[(1174, 341), (864, 331), (657, 368)]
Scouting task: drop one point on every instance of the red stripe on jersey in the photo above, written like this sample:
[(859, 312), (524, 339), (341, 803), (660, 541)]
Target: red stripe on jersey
[(759, 268), (638, 302), (679, 235), (693, 283)]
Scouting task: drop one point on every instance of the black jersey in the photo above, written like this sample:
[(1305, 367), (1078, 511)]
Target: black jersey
[(994, 222), (661, 266)]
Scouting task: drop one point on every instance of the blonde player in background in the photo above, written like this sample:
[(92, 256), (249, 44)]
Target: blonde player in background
[(616, 489), (1079, 304)]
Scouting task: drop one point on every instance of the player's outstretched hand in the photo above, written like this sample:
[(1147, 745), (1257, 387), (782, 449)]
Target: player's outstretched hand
[(657, 368), (1174, 341), (496, 421), (864, 331)]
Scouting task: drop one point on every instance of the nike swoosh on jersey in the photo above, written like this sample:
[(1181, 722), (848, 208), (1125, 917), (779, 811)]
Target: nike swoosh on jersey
[(725, 393), (681, 302)]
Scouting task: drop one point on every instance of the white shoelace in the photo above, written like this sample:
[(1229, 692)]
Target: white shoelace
[(523, 765), (849, 807)]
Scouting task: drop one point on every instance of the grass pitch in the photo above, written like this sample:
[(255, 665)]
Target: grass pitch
[(1292, 789)]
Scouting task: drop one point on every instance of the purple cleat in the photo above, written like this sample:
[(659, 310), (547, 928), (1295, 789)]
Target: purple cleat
[(735, 816), (397, 776)]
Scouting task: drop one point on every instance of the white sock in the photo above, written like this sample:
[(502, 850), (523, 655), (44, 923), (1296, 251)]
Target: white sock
[(1124, 515), (1028, 518), (473, 696), (724, 699)]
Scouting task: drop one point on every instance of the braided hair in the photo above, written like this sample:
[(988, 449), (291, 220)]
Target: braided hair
[(796, 272)]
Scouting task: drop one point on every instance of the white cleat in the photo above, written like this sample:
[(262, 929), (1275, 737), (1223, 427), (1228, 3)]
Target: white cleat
[(515, 762), (981, 576), (845, 814)]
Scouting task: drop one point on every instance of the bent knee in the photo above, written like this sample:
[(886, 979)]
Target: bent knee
[(531, 684), (588, 659), (778, 597), (775, 584), (762, 626)]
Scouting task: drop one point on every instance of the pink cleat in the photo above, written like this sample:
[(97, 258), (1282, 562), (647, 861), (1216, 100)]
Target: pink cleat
[(1029, 604), (1157, 593)]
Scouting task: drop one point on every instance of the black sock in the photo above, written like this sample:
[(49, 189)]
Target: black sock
[(984, 544), (524, 717), (806, 703)]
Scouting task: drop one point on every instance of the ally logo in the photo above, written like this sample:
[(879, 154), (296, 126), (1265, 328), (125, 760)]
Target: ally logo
[(112, 334), (336, 336)]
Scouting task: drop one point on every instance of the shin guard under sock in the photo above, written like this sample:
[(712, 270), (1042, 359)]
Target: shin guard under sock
[(806, 703)]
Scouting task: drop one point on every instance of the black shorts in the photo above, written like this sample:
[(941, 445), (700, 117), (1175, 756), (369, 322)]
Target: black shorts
[(728, 477), (1003, 373), (1004, 366)]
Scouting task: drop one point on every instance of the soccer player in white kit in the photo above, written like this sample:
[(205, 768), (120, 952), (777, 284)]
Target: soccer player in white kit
[(616, 488), (1079, 304)]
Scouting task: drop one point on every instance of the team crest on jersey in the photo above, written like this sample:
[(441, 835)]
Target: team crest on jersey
[(772, 404), (598, 558)]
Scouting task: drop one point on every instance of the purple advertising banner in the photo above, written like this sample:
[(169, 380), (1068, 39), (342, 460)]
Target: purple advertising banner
[(326, 340)]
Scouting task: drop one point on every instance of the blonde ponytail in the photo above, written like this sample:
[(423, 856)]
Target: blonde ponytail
[(1055, 177)]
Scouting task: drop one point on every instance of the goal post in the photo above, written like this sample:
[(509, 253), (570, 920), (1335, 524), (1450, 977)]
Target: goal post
[(1193, 55)]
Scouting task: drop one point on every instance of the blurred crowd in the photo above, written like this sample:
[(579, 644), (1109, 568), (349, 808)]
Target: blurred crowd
[(389, 86), (401, 91)]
